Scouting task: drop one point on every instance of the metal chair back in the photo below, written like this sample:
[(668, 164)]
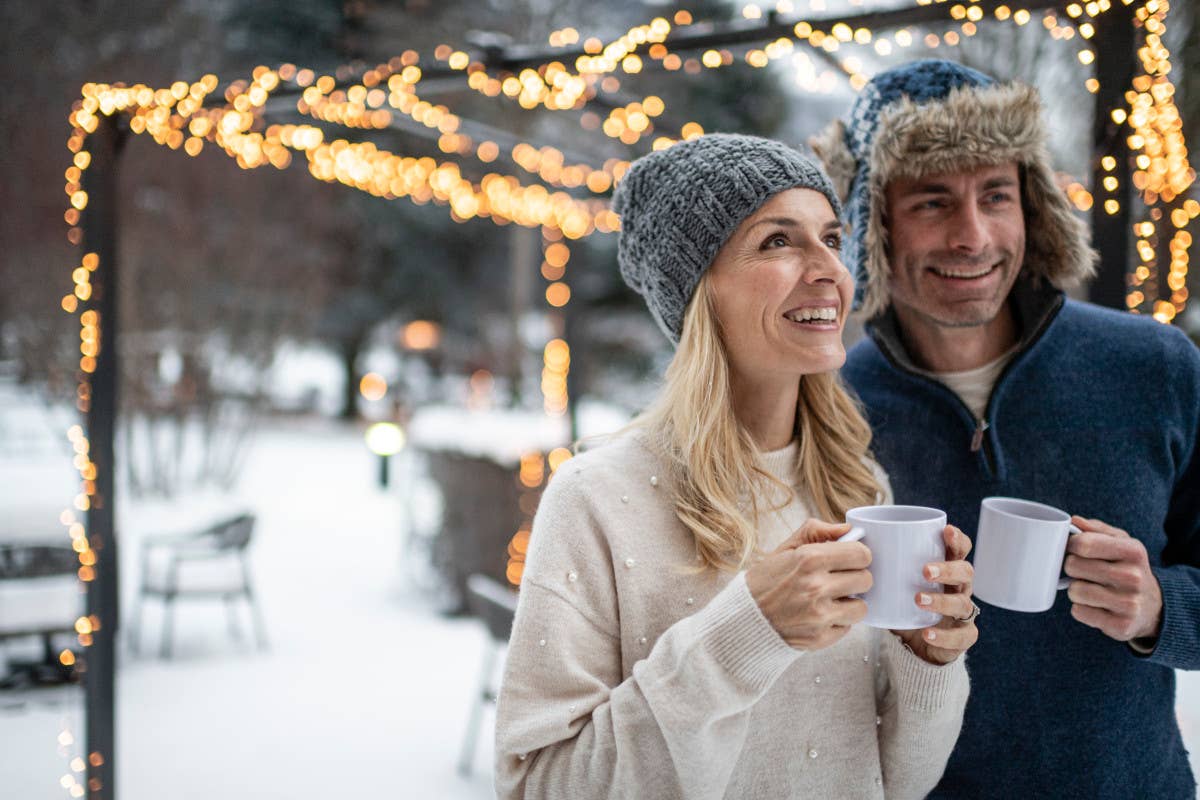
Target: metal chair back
[(233, 534), (493, 603)]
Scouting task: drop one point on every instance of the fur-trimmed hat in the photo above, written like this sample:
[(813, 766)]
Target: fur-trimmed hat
[(932, 117)]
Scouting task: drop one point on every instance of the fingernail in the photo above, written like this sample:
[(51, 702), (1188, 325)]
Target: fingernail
[(934, 571), (931, 635), (924, 599)]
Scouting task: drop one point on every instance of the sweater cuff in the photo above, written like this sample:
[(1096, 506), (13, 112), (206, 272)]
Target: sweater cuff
[(1177, 645), (920, 685), (733, 629)]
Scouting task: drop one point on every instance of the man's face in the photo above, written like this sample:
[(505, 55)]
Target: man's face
[(957, 241)]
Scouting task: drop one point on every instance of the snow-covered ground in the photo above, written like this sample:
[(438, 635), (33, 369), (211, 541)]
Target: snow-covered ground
[(365, 691)]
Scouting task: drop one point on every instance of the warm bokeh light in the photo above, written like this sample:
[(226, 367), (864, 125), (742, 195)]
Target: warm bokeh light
[(557, 457), (481, 390), (558, 294), (532, 469), (421, 335), (556, 359), (373, 386)]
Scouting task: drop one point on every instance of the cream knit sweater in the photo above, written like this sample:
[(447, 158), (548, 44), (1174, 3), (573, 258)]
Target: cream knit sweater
[(630, 677)]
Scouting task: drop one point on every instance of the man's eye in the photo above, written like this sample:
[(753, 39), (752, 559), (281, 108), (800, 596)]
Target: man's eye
[(833, 242), (999, 197)]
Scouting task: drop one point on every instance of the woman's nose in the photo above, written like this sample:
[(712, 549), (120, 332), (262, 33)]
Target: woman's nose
[(824, 267)]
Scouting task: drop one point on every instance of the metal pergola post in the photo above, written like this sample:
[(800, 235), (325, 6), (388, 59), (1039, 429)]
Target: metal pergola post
[(1112, 234), (100, 237)]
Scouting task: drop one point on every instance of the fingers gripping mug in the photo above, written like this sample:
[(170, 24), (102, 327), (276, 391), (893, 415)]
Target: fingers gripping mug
[(902, 540), (1019, 553)]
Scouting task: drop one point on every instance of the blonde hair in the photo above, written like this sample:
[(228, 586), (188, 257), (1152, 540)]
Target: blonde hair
[(713, 457)]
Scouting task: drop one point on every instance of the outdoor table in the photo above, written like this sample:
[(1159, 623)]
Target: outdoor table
[(39, 596), (474, 457)]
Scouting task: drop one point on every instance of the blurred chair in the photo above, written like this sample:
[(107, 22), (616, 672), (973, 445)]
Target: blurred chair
[(208, 563), (495, 604)]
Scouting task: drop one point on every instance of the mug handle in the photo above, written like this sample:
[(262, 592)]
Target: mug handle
[(854, 534), (1063, 583)]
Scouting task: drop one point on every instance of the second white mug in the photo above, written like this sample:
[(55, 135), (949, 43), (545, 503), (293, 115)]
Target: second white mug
[(1019, 552)]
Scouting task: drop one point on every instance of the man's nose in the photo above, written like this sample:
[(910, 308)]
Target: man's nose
[(967, 232)]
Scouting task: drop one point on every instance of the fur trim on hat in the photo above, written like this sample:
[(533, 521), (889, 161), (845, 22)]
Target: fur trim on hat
[(830, 147), (971, 127)]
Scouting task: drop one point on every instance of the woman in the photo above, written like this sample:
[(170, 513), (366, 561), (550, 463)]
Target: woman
[(686, 626)]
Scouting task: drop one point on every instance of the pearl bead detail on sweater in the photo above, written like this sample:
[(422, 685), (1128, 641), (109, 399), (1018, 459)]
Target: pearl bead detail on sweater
[(817, 679), (812, 753), (624, 498), (691, 601), (629, 562), (641, 640), (541, 643), (572, 576), (654, 480)]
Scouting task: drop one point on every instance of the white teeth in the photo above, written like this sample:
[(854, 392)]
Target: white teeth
[(948, 274), (824, 313)]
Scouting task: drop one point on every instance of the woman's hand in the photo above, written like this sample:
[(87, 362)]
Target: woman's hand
[(803, 588), (955, 634)]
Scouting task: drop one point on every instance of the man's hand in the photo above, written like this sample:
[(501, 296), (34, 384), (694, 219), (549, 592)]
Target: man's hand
[(955, 634), (1113, 588)]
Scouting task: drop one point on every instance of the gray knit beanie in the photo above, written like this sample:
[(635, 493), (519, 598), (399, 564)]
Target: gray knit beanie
[(680, 205)]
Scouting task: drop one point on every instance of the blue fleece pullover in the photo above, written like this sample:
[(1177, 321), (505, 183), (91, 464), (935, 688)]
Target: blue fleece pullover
[(1098, 414)]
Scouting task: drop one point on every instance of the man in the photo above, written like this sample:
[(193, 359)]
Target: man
[(980, 378)]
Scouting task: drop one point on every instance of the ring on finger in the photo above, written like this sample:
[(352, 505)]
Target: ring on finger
[(971, 616)]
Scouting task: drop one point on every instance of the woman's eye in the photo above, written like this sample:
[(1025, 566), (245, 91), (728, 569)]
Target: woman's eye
[(775, 240)]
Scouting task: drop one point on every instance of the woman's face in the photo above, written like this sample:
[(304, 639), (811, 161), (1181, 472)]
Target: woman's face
[(780, 291)]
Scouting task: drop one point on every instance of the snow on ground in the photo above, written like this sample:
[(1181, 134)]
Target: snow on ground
[(505, 435), (364, 692)]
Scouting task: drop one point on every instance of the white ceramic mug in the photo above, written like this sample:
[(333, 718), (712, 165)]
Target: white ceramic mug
[(1019, 551), (902, 540)]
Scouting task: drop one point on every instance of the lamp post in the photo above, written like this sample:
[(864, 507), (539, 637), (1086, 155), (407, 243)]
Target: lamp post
[(385, 439)]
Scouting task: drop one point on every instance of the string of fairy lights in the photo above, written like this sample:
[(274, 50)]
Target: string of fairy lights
[(184, 117), (535, 469), (1162, 174), (69, 751)]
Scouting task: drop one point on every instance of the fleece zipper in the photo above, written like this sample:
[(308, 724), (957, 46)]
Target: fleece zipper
[(979, 442)]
